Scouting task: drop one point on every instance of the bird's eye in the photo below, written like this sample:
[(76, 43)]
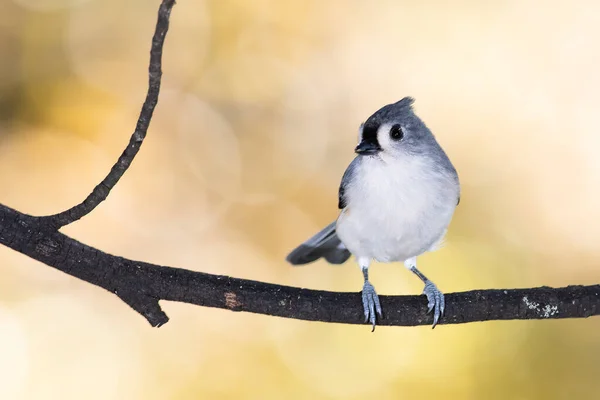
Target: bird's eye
[(396, 132)]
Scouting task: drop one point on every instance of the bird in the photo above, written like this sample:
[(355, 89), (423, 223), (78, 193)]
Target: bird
[(396, 200)]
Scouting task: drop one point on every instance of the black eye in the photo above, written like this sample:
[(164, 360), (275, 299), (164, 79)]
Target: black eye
[(396, 132)]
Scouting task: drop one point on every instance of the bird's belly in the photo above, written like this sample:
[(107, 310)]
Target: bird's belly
[(392, 239), (397, 226)]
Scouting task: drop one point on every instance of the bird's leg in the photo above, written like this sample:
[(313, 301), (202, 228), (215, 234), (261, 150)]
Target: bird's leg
[(370, 299), (435, 297)]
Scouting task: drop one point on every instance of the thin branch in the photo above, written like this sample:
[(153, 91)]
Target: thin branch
[(101, 191), (141, 285)]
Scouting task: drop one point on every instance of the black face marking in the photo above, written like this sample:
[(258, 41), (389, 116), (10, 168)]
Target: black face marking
[(369, 134)]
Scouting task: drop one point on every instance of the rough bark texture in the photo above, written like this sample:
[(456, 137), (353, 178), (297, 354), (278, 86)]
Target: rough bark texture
[(141, 285)]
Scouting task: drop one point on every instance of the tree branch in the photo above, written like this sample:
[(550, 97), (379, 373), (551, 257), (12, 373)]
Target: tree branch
[(141, 285), (101, 191)]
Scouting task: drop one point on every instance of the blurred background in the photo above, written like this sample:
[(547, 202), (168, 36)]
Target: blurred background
[(258, 117)]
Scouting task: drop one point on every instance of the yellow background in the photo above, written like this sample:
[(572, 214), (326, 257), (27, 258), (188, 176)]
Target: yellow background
[(257, 119)]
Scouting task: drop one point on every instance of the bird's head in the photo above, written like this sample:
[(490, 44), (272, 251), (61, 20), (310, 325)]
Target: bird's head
[(394, 130)]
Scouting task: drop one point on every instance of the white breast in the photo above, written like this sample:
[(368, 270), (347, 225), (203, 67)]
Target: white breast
[(397, 208)]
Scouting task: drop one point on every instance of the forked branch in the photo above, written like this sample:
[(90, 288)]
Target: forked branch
[(141, 285)]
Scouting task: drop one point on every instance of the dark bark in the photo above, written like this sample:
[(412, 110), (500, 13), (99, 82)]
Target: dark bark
[(141, 285), (102, 190)]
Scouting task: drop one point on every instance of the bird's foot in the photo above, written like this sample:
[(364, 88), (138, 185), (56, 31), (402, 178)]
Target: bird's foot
[(435, 300), (371, 304)]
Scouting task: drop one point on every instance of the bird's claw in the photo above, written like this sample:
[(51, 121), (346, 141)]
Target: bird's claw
[(436, 302), (371, 304)]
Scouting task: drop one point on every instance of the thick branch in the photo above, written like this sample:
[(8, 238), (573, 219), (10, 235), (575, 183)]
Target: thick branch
[(101, 191), (141, 285)]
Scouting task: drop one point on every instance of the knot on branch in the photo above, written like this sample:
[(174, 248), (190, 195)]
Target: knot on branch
[(48, 246), (146, 305)]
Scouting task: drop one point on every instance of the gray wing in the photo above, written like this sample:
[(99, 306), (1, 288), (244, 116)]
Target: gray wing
[(324, 244), (346, 179)]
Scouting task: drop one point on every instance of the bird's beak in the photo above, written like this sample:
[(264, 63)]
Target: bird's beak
[(367, 148)]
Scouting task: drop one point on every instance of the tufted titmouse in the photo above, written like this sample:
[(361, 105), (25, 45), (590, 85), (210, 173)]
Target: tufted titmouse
[(397, 198)]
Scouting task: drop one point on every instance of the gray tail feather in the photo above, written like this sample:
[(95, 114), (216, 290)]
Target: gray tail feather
[(324, 244)]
